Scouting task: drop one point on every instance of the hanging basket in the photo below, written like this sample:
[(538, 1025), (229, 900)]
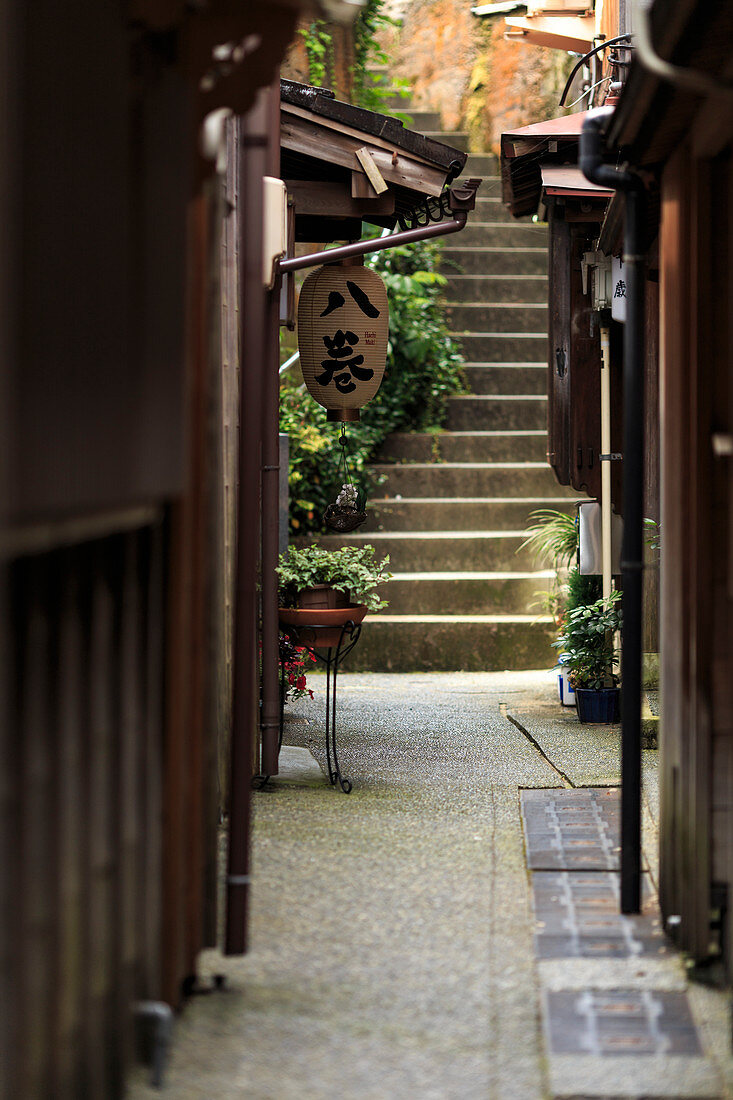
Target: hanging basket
[(342, 519)]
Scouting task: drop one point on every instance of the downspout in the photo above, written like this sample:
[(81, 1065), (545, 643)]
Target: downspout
[(592, 166), (606, 503), (270, 709)]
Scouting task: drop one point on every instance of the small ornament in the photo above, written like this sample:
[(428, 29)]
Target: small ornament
[(348, 511)]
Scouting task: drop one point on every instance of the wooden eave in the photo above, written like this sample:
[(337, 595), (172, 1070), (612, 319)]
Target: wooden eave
[(574, 33), (523, 153), (652, 116), (343, 164), (324, 139)]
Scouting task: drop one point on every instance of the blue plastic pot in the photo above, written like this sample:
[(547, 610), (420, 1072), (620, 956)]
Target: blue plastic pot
[(597, 705)]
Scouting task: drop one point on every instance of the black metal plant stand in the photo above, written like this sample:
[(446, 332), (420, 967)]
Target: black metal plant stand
[(331, 656)]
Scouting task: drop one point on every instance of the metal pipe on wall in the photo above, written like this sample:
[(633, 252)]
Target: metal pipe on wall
[(606, 503), (251, 149), (376, 244), (270, 716), (592, 166)]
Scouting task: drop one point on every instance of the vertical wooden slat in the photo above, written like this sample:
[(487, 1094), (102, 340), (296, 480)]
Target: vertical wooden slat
[(699, 757), (198, 535), (149, 914), (584, 375), (214, 717), (36, 869), (559, 347), (674, 581), (101, 852), (173, 946), (131, 841), (72, 831), (230, 442)]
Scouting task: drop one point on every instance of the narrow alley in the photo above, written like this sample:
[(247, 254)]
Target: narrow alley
[(395, 950)]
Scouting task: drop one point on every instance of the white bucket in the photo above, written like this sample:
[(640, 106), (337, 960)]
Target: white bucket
[(567, 694)]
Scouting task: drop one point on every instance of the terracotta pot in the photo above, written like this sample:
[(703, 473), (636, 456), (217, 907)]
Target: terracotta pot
[(322, 596), (321, 628)]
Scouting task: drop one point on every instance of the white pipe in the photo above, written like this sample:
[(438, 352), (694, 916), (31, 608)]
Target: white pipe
[(606, 544)]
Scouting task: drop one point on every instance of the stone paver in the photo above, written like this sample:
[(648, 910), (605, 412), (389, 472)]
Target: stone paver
[(392, 929)]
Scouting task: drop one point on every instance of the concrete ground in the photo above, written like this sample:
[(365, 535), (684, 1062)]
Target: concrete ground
[(392, 949)]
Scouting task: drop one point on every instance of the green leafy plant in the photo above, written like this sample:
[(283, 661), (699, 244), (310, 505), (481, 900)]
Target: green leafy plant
[(553, 536), (370, 88), (352, 569), (319, 50), (581, 589), (653, 537), (587, 644)]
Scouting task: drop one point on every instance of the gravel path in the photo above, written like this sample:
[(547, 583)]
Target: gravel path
[(391, 929)]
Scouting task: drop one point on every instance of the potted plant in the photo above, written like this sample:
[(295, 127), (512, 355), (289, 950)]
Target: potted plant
[(327, 588), (587, 644)]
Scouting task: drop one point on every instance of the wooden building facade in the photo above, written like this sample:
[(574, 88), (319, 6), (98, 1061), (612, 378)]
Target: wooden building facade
[(673, 126), (108, 798), (682, 137)]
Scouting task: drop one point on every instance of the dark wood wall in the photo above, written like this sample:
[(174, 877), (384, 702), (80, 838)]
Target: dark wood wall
[(696, 584), (110, 421), (574, 368), (82, 800)]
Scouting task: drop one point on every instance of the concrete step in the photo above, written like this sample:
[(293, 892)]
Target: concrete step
[(435, 447), (457, 139), (492, 261), (427, 552), (482, 164), (490, 208), (501, 234), (466, 593), (445, 643), (424, 121), (503, 347), (460, 513), (473, 317), (507, 379), (497, 288), (458, 479), (497, 413)]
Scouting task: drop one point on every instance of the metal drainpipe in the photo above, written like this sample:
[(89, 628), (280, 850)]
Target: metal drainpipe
[(463, 198), (592, 166), (606, 529), (245, 681), (270, 717)]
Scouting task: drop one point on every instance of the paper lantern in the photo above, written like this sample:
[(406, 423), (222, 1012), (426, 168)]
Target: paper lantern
[(343, 324)]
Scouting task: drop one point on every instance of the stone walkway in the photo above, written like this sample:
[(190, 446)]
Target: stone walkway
[(393, 937)]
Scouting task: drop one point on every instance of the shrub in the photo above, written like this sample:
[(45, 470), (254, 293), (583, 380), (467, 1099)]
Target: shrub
[(586, 642)]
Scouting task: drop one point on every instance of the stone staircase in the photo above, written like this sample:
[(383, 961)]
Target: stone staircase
[(453, 505)]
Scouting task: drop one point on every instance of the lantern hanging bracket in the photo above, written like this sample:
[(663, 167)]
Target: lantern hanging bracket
[(462, 199)]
